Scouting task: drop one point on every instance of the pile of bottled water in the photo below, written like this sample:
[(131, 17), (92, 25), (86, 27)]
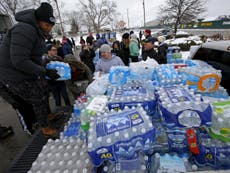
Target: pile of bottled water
[(219, 94), (63, 69), (118, 75), (214, 153), (120, 134), (166, 75), (201, 79), (174, 55), (66, 155), (181, 107), (133, 94), (221, 125)]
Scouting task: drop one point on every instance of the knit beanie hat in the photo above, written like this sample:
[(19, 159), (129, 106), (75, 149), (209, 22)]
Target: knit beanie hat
[(161, 39), (125, 35), (45, 13), (148, 31), (105, 48), (48, 47)]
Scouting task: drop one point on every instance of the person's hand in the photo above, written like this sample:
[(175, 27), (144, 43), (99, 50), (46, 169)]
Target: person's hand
[(52, 74)]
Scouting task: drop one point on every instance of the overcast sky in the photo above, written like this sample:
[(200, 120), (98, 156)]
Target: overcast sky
[(134, 9)]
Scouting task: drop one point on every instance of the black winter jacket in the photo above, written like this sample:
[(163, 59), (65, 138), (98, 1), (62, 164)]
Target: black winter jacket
[(162, 52), (149, 53), (22, 49)]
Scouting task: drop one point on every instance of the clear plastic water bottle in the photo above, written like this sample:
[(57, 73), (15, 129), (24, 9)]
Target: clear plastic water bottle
[(155, 163), (169, 56)]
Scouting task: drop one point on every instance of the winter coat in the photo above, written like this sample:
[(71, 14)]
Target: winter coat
[(133, 47), (87, 57), (162, 52), (125, 54), (67, 49), (118, 52), (149, 53), (22, 49), (89, 39)]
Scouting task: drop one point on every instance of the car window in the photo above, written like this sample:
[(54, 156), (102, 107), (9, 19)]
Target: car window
[(206, 54)]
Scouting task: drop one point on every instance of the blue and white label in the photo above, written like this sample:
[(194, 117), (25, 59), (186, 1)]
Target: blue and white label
[(118, 122), (176, 94)]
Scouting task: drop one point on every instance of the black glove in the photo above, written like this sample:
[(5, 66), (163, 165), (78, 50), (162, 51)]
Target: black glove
[(52, 74)]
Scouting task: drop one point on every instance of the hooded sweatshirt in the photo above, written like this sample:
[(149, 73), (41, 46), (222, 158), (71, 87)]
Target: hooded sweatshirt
[(22, 49)]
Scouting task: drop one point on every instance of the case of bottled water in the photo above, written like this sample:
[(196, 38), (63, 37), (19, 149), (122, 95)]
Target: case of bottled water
[(63, 69), (66, 155), (214, 153), (180, 107), (201, 79), (133, 94), (174, 55), (220, 128), (118, 75), (120, 135), (169, 163), (177, 140), (166, 75)]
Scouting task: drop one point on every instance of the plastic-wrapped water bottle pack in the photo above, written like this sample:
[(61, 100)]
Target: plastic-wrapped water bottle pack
[(201, 79), (118, 75), (120, 135), (220, 128), (166, 75), (171, 163), (180, 107), (214, 153), (63, 69), (219, 94), (174, 55), (137, 165), (131, 95), (63, 156)]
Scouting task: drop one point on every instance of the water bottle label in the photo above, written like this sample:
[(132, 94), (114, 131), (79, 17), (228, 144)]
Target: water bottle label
[(130, 92), (98, 103), (118, 122), (176, 94)]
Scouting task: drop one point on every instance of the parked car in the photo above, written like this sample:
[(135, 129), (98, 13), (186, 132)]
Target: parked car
[(217, 54), (167, 32)]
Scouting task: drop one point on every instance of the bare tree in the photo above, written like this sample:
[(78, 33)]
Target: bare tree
[(180, 11), (10, 7), (99, 14), (73, 18)]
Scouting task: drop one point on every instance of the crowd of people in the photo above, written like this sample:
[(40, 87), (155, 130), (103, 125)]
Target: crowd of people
[(27, 48), (130, 49)]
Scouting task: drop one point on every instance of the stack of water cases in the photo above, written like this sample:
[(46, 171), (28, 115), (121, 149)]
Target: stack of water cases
[(220, 128), (66, 155), (132, 94), (213, 153), (201, 79), (166, 75), (121, 138), (174, 55), (180, 107)]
